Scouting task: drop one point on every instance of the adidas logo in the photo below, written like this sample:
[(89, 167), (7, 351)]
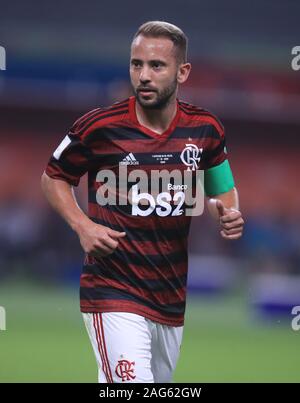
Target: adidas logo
[(129, 160)]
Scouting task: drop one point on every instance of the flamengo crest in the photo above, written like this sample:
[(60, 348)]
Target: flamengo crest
[(125, 370), (190, 156)]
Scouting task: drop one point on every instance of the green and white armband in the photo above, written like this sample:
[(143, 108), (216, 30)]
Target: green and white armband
[(218, 179)]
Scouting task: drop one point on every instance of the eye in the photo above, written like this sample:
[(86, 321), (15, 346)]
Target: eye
[(136, 63), (156, 65)]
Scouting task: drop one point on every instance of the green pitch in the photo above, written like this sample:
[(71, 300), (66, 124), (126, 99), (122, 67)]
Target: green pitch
[(46, 341)]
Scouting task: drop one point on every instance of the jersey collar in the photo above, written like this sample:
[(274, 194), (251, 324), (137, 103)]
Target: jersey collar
[(146, 130)]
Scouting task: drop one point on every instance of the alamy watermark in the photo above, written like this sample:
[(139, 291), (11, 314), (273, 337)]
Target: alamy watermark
[(296, 60), (2, 58), (296, 320), (162, 192), (146, 191), (2, 318)]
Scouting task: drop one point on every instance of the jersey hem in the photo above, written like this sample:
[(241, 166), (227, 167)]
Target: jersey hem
[(131, 308)]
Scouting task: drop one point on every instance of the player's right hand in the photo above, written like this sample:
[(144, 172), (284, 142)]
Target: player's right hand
[(98, 240)]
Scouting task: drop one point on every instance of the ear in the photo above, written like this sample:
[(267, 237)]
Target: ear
[(183, 72)]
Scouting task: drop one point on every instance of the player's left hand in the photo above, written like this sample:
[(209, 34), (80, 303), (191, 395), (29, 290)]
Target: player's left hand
[(231, 221)]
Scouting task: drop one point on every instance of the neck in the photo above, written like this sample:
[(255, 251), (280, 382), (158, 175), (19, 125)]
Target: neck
[(157, 120)]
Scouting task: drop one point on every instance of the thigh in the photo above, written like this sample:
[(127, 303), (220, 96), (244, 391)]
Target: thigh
[(165, 352), (122, 345)]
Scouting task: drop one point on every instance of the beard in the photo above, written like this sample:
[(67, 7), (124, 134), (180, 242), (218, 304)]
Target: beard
[(161, 98)]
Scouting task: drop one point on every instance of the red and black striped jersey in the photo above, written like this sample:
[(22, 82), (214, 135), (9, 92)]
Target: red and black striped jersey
[(147, 273)]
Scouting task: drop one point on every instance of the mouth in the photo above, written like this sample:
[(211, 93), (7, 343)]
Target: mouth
[(146, 91)]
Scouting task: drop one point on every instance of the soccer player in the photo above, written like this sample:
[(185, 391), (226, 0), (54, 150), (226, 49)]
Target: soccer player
[(133, 284)]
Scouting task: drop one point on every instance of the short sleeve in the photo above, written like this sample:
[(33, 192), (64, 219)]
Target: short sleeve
[(71, 159), (216, 153)]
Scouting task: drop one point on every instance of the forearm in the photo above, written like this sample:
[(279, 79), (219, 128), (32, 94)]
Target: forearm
[(61, 197), (230, 200)]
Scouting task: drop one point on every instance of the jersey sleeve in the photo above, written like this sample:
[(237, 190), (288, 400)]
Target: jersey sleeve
[(218, 177), (71, 159), (216, 153)]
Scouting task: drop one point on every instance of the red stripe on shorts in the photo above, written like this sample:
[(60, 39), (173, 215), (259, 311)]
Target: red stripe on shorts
[(104, 366), (104, 345)]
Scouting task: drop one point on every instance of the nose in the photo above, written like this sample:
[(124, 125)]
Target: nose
[(145, 75)]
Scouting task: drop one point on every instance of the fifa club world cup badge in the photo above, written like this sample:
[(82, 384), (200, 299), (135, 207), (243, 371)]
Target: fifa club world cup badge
[(125, 369)]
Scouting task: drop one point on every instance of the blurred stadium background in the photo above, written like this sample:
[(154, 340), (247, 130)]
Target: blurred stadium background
[(64, 58)]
